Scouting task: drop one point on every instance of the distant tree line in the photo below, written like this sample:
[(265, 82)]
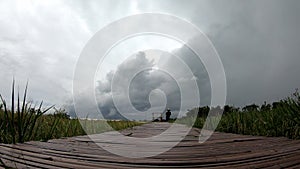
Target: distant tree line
[(204, 110)]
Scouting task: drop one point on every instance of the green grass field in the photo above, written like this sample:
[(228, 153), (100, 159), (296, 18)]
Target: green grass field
[(281, 119), (52, 126), (24, 122)]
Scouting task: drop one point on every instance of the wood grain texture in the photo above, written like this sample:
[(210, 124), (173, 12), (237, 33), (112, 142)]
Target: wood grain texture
[(222, 150)]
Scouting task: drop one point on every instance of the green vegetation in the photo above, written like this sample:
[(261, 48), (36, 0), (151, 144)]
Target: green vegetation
[(24, 122), (279, 119)]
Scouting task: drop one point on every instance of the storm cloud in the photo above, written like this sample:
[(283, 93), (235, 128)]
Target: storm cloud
[(138, 86), (258, 43)]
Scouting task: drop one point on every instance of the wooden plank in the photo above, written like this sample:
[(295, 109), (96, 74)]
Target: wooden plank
[(222, 150)]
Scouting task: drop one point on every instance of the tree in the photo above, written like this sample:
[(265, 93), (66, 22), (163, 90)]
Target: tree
[(251, 107), (203, 111), (265, 107)]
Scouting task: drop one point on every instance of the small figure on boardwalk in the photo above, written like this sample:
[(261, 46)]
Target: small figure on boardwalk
[(168, 114)]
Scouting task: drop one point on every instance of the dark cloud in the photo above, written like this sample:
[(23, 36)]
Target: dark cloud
[(258, 42), (135, 80), (197, 68)]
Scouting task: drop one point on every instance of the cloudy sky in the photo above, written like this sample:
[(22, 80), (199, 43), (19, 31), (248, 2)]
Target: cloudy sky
[(257, 41)]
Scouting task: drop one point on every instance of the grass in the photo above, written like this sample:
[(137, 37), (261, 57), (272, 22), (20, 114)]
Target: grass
[(18, 125), (24, 122), (282, 119)]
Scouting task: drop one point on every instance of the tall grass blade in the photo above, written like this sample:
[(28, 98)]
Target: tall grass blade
[(19, 118), (12, 127)]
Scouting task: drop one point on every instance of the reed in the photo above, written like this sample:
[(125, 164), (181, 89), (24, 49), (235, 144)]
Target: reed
[(23, 122), (18, 125), (282, 120)]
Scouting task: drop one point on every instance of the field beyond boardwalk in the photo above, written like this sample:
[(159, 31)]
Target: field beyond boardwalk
[(222, 150)]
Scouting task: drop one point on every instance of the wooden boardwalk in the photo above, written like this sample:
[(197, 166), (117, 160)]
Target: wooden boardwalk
[(222, 150)]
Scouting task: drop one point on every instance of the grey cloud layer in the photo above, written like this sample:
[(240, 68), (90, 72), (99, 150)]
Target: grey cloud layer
[(136, 84), (258, 42), (133, 81)]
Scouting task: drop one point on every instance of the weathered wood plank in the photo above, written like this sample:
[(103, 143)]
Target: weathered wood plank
[(222, 150)]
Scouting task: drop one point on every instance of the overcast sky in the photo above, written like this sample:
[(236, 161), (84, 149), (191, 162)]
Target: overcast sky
[(258, 43)]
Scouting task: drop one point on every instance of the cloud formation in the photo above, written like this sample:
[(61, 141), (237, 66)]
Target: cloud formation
[(138, 84), (258, 42)]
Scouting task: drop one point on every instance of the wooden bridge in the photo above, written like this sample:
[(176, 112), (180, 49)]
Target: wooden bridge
[(222, 150)]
